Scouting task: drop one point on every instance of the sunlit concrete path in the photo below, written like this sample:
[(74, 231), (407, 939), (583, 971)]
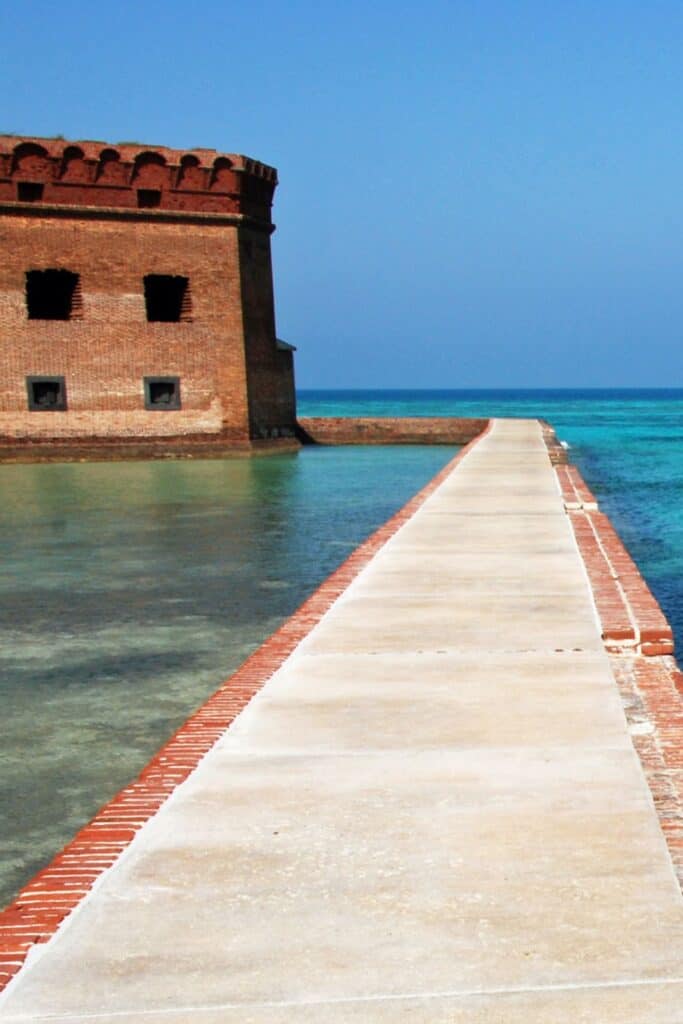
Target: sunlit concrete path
[(433, 812)]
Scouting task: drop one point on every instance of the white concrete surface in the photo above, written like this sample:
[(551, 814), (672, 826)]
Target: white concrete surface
[(432, 813)]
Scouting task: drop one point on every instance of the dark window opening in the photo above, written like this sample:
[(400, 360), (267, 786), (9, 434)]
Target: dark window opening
[(148, 198), (52, 294), (167, 298), (29, 192), (162, 393), (46, 394)]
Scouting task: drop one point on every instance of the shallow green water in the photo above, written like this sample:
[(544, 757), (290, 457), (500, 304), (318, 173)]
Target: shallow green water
[(129, 591)]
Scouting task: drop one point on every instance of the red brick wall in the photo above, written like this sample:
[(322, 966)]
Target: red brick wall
[(105, 354), (390, 429), (226, 349)]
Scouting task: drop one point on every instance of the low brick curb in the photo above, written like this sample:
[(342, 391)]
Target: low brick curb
[(652, 694), (42, 905), (640, 644), (389, 429), (631, 618)]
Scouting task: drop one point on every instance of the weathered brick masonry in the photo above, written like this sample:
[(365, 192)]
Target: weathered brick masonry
[(163, 326), (389, 429), (640, 645)]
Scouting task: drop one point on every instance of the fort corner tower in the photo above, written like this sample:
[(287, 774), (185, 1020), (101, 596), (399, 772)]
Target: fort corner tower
[(136, 297)]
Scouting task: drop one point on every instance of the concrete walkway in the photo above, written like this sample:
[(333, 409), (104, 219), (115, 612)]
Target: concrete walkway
[(432, 813)]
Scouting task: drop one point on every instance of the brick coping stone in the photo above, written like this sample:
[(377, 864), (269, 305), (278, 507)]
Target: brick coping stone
[(639, 642)]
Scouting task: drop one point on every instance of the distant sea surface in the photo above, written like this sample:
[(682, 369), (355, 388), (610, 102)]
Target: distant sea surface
[(627, 444), (129, 591)]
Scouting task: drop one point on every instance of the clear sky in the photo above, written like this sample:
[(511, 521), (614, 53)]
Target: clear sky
[(472, 194)]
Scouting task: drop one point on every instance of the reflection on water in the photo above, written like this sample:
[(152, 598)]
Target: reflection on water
[(130, 590)]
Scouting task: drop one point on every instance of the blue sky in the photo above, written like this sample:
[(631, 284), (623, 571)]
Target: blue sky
[(471, 194)]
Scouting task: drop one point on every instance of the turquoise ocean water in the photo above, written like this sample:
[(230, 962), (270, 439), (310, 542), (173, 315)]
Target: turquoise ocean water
[(627, 444), (130, 590)]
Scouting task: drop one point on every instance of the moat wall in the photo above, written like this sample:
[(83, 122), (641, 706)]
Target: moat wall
[(389, 429), (317, 430)]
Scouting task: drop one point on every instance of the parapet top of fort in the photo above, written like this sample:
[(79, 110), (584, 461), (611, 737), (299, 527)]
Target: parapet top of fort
[(130, 176)]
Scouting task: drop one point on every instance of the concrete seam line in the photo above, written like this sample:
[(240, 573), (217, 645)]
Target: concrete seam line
[(389, 997)]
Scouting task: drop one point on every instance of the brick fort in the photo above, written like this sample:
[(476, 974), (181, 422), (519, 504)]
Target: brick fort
[(136, 300)]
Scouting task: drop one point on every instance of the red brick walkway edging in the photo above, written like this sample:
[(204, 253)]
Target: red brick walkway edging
[(652, 694), (639, 642), (631, 618), (41, 906)]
